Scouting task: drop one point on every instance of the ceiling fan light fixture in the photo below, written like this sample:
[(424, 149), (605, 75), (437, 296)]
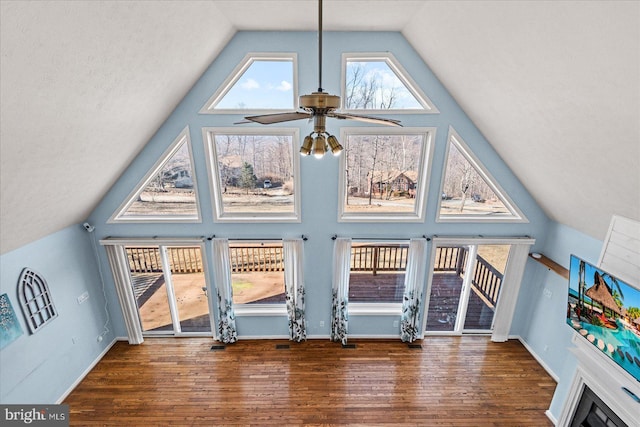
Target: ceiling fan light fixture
[(318, 106), (319, 146), (307, 144), (335, 146)]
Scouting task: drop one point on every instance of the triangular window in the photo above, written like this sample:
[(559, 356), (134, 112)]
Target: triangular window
[(469, 192), (168, 190), (378, 82), (259, 82)]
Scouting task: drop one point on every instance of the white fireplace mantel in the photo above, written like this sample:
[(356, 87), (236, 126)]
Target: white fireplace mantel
[(606, 379)]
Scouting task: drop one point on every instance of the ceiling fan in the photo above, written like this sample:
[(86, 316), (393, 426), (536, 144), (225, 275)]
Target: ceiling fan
[(318, 106)]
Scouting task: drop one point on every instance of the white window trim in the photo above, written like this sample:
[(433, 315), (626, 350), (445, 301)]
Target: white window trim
[(516, 214), (210, 106), (208, 136), (267, 310), (260, 309), (426, 156), (117, 216), (375, 309), (427, 106)]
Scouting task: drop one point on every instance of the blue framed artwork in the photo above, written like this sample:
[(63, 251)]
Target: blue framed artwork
[(10, 328)]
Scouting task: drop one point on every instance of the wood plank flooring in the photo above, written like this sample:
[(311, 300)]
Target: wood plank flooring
[(449, 381)]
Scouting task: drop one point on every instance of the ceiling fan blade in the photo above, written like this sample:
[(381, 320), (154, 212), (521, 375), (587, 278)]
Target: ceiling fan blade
[(267, 119), (367, 119)]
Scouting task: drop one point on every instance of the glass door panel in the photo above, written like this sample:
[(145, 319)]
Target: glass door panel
[(149, 288), (486, 283), (189, 288), (446, 288), (170, 289)]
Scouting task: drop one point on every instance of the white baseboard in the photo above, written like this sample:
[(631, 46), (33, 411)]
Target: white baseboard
[(539, 360), (551, 417), (86, 371)]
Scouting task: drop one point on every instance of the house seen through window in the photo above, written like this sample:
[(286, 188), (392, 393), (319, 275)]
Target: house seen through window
[(168, 191), (254, 174), (384, 174)]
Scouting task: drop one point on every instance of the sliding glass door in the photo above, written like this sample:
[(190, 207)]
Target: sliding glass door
[(170, 289), (465, 284)]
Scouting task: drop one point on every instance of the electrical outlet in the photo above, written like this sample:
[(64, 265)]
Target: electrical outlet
[(322, 323), (395, 323), (547, 292), (82, 298)]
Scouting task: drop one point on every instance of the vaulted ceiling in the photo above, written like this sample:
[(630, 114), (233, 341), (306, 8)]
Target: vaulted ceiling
[(554, 86)]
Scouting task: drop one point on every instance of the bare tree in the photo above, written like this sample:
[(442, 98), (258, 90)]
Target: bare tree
[(375, 144), (366, 90)]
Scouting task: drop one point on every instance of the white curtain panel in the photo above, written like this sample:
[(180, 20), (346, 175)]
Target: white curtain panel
[(414, 279), (227, 332), (506, 305), (122, 279), (340, 289), (294, 288)]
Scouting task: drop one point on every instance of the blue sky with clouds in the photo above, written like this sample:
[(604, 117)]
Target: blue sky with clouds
[(631, 295), (264, 85)]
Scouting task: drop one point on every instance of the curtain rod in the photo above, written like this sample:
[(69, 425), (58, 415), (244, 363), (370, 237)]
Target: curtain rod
[(335, 236), (254, 239)]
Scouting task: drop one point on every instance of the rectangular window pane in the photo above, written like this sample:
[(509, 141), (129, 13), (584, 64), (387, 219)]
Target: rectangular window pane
[(257, 272), (254, 175), (377, 272), (384, 174)]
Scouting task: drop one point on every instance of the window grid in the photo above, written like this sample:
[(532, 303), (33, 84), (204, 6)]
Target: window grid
[(35, 299)]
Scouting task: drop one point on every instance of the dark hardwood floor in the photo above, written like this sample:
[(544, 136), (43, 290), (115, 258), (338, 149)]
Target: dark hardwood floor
[(448, 381)]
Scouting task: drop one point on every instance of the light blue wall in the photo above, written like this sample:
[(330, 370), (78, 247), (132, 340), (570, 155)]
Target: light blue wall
[(319, 179), (543, 327), (40, 368)]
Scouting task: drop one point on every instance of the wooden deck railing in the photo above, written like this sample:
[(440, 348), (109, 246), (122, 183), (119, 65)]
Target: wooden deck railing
[(181, 259), (244, 259), (250, 259), (376, 258), (365, 258), (450, 259), (144, 260), (487, 280)]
